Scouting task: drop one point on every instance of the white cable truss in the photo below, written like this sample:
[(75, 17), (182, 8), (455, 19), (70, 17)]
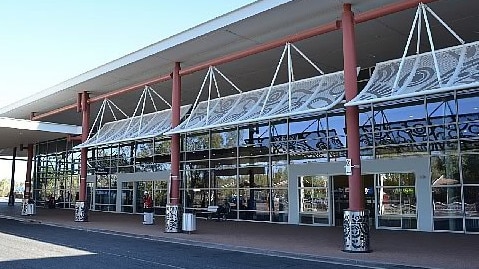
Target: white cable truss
[(295, 97), (435, 71)]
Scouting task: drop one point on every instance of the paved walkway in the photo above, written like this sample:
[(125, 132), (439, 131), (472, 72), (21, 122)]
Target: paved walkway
[(429, 250)]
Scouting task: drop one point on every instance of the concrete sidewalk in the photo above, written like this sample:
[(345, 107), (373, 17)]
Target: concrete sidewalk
[(429, 250)]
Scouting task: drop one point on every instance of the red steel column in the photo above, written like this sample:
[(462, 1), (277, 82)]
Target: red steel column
[(28, 176), (175, 139), (85, 108), (356, 189)]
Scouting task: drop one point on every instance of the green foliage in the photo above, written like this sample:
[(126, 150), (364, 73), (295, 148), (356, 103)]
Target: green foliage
[(4, 187)]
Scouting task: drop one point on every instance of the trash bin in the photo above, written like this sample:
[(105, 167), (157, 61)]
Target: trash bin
[(148, 218), (189, 222), (31, 209)]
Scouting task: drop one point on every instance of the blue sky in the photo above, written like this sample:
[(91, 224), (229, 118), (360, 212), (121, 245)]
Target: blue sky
[(43, 43)]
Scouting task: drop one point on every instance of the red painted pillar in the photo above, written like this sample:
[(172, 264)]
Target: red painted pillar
[(28, 176), (175, 139), (85, 109), (356, 189)]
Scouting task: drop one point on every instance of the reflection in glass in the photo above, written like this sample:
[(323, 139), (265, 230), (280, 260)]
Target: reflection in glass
[(196, 142), (444, 170), (442, 111), (470, 168), (224, 139), (396, 200), (471, 201), (447, 201), (390, 114), (313, 194)]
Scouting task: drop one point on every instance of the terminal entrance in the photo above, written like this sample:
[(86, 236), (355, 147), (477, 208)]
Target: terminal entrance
[(341, 197), (322, 199), (389, 197)]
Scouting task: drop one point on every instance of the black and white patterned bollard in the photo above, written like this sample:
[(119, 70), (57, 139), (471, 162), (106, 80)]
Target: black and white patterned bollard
[(81, 212), (356, 231), (172, 219), (25, 207)]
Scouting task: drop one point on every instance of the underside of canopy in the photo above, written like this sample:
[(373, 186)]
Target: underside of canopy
[(458, 69), (134, 128), (307, 96)]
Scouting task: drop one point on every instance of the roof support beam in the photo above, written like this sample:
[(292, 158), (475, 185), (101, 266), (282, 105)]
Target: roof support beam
[(326, 28)]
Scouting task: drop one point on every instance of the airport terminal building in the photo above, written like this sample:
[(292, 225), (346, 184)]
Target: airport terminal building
[(283, 111)]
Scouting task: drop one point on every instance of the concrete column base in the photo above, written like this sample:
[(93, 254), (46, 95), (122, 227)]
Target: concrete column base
[(172, 219), (81, 212), (356, 231)]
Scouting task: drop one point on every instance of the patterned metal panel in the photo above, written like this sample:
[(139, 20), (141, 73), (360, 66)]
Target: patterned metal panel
[(81, 212), (307, 96), (172, 219), (356, 231), (139, 127), (458, 69)]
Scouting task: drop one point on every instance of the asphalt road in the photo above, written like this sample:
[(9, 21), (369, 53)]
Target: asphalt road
[(31, 245)]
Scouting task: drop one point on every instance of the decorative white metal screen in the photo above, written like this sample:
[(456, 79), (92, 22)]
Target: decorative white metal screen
[(458, 69), (134, 128), (307, 96), (423, 73)]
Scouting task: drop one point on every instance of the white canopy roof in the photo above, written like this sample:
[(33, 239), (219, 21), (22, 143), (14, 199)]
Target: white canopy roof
[(19, 131), (134, 128), (309, 95), (457, 70)]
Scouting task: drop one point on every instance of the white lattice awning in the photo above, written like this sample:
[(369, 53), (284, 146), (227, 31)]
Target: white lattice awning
[(309, 95), (134, 128), (458, 69)]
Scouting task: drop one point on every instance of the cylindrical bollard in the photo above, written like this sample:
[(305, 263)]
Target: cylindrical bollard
[(172, 219), (24, 207), (356, 231), (81, 212)]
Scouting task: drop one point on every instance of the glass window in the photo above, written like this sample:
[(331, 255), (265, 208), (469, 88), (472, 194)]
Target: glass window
[(197, 178), (162, 146), (254, 177), (441, 110), (444, 170), (468, 106), (336, 132), (279, 131), (396, 200), (224, 139), (257, 135), (144, 149), (314, 197), (302, 128), (196, 142), (389, 117), (279, 175), (447, 201), (470, 168), (224, 178), (471, 201)]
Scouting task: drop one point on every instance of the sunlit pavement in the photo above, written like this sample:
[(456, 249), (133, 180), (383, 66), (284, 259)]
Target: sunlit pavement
[(431, 250)]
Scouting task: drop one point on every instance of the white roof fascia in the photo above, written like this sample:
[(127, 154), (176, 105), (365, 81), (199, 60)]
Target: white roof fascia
[(22, 124), (182, 37)]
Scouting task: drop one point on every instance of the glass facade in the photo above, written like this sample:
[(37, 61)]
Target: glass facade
[(247, 166), (56, 176), (396, 200)]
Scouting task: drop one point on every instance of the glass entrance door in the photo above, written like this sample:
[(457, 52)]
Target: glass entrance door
[(314, 200), (140, 190)]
